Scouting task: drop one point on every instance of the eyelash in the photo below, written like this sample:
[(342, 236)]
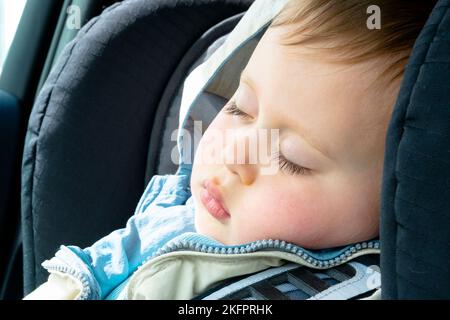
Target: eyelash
[(290, 167), (284, 163), (232, 109)]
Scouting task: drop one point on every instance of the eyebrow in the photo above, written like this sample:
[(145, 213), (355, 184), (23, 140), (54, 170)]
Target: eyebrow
[(301, 131)]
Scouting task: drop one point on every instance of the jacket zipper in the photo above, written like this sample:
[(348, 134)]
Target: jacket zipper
[(266, 245)]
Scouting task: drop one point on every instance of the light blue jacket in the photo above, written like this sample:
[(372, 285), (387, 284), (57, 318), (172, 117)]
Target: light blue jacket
[(164, 211)]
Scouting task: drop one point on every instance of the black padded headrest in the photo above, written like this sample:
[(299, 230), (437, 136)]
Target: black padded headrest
[(415, 222)]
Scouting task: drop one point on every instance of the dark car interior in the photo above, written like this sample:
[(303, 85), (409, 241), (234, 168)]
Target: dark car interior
[(82, 114)]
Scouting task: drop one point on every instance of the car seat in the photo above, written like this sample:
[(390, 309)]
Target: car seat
[(100, 129)]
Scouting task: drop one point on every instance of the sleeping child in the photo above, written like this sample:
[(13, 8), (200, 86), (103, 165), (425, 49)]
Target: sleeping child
[(327, 84)]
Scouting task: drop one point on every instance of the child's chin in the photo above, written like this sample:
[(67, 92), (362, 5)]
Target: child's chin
[(210, 230)]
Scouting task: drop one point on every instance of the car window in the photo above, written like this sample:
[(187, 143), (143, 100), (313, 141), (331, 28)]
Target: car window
[(10, 14)]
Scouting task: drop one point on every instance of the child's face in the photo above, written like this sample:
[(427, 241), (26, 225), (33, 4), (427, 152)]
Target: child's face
[(331, 120)]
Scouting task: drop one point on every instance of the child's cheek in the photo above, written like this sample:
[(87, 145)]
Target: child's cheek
[(292, 214), (299, 208), (211, 143)]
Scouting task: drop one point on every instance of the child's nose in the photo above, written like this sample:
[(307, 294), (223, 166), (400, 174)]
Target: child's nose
[(240, 158)]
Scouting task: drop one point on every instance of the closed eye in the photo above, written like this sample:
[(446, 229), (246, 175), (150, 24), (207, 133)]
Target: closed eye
[(285, 164), (290, 167), (231, 108)]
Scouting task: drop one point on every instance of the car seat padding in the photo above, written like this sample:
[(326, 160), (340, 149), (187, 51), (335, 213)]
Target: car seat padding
[(415, 222)]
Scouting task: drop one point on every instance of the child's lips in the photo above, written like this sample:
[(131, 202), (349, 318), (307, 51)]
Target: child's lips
[(212, 200)]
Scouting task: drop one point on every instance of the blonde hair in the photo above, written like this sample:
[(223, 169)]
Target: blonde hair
[(342, 26)]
